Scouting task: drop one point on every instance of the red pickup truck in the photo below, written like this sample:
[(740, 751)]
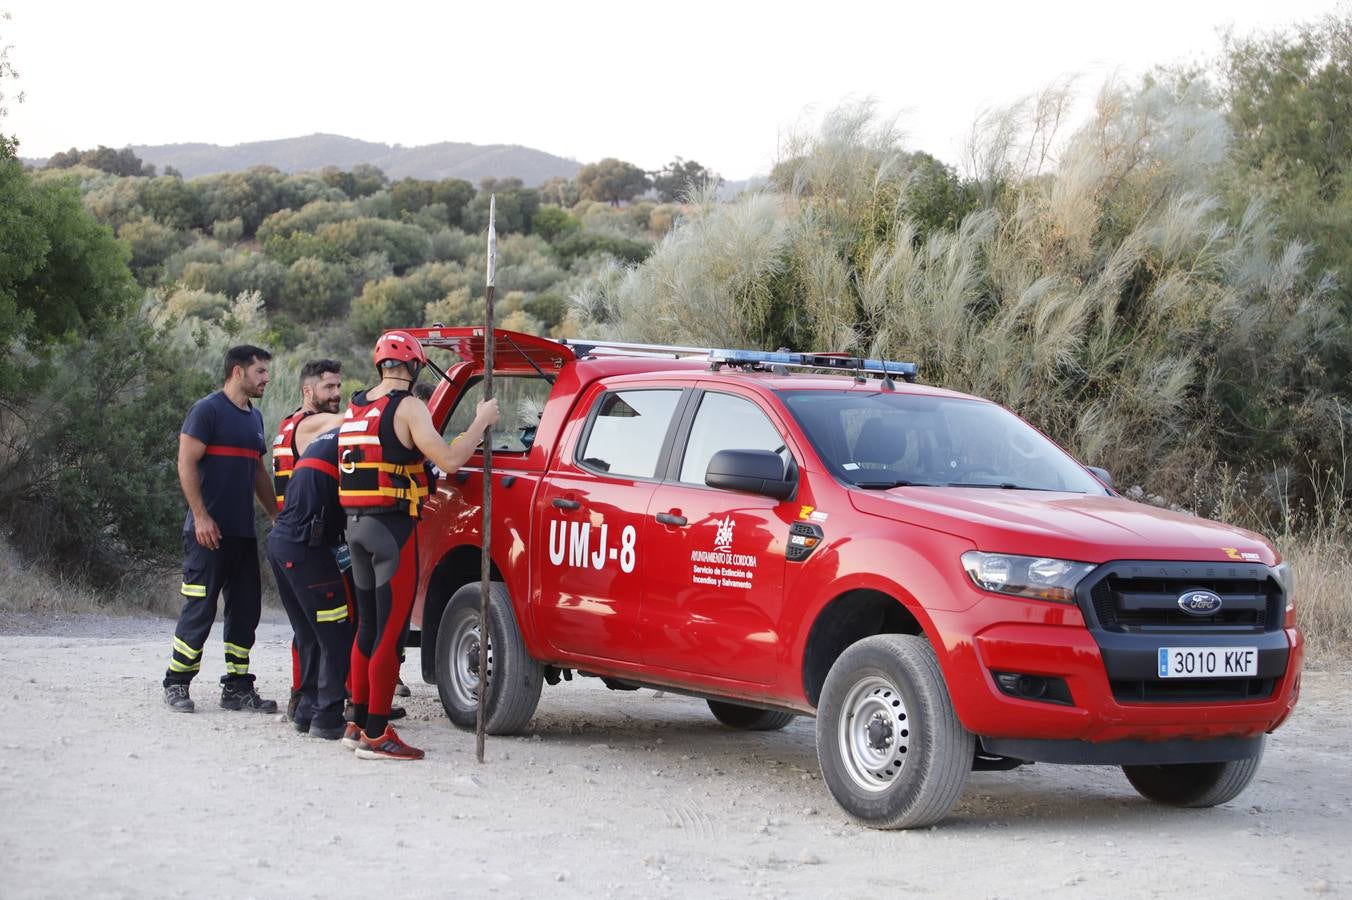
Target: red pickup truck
[(804, 534)]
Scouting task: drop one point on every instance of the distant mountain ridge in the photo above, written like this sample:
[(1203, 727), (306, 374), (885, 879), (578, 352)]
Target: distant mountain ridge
[(313, 152)]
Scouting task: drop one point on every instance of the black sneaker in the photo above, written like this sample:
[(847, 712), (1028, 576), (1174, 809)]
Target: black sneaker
[(291, 706), (396, 712), (328, 734), (176, 698), (401, 689), (244, 697)]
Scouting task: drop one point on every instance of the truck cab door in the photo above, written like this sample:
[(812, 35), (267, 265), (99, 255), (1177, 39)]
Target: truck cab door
[(715, 559), (589, 521)]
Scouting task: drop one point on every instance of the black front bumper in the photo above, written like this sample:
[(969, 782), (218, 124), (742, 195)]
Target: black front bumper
[(1126, 753)]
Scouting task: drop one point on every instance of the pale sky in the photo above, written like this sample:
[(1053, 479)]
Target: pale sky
[(720, 83)]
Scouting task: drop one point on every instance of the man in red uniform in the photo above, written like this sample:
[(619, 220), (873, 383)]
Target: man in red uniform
[(383, 446), (221, 470), (321, 391)]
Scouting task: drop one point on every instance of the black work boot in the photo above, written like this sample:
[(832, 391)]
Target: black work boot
[(240, 695), (176, 698)]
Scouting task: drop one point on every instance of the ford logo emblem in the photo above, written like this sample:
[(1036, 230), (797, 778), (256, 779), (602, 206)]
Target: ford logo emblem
[(1200, 603)]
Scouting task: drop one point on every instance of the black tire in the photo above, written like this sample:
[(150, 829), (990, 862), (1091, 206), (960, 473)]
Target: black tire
[(749, 718), (891, 749), (514, 678), (1194, 785)]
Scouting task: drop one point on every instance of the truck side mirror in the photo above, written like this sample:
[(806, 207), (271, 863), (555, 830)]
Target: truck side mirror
[(1104, 476), (753, 471)]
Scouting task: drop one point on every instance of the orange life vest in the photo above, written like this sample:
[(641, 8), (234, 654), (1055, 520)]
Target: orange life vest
[(284, 453), (376, 471)]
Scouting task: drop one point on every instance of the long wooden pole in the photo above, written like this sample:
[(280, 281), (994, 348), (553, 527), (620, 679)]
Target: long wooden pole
[(485, 557)]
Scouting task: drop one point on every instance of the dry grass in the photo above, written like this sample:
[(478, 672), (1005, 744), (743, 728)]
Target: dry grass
[(1323, 569), (27, 587)]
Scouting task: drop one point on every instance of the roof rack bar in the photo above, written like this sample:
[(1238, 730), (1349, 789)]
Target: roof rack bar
[(747, 358), (585, 346)]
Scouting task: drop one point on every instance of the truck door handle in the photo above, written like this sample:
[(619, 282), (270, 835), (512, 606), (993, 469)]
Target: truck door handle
[(672, 519), (561, 503)]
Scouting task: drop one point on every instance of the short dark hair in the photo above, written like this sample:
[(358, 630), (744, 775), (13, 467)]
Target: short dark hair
[(243, 355), (423, 392), (316, 367)]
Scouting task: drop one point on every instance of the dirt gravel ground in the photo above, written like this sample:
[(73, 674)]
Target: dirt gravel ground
[(107, 794)]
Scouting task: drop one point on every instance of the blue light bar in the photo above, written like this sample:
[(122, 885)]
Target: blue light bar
[(906, 370)]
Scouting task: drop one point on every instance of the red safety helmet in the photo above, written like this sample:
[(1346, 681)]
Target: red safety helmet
[(402, 347)]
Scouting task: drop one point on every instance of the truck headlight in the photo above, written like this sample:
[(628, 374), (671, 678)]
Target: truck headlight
[(1038, 577), (1287, 579)]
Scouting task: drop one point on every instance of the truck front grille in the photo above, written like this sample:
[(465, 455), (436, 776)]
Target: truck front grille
[(1143, 597)]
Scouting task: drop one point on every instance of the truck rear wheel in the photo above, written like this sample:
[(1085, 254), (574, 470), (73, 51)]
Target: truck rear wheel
[(514, 678), (749, 718), (1193, 785), (892, 751)]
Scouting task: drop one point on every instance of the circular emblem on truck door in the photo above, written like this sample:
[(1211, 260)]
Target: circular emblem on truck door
[(1200, 603)]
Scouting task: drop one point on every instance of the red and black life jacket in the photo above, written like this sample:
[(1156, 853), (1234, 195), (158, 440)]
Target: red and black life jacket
[(375, 471), (284, 453)]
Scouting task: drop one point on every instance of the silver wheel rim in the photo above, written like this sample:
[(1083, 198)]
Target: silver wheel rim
[(465, 648), (874, 734)]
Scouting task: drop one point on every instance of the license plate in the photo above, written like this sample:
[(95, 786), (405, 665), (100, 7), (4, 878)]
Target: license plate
[(1208, 662)]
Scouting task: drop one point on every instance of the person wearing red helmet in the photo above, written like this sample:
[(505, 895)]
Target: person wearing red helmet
[(383, 445)]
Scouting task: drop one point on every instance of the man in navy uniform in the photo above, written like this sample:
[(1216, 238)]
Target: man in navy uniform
[(302, 549), (221, 469)]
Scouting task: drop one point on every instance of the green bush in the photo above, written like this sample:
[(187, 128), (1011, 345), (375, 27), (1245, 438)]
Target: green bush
[(306, 218), (228, 231), (151, 244), (314, 290), (401, 301), (94, 482), (581, 244), (405, 246), (551, 222)]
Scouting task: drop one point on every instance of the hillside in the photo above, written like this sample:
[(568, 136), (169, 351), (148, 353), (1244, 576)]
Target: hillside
[(313, 152)]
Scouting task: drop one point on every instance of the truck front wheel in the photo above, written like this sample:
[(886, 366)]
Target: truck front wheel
[(514, 678), (1193, 785), (892, 751), (748, 718)]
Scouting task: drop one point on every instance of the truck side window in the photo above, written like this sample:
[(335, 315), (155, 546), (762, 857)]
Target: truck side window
[(725, 422), (521, 398), (627, 432)]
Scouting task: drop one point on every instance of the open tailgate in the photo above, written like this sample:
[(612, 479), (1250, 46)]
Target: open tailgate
[(513, 350)]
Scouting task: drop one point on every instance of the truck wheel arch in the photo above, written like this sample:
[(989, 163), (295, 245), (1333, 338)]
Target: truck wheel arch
[(850, 617), (459, 566)]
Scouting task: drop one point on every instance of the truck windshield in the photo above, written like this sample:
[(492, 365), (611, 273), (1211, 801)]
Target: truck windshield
[(886, 440)]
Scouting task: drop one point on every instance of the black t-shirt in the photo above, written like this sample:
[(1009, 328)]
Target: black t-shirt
[(234, 439), (312, 494)]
